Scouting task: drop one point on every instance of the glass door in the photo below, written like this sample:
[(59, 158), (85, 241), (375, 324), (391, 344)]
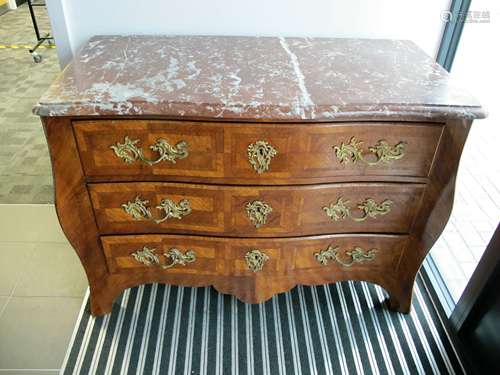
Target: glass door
[(474, 63)]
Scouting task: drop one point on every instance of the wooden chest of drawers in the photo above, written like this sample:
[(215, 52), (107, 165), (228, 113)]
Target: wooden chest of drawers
[(231, 175)]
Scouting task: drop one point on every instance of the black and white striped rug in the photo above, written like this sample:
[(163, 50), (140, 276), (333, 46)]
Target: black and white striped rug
[(343, 328)]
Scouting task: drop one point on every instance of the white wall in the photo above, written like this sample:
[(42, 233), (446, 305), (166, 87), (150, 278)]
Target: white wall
[(74, 22), (12, 4)]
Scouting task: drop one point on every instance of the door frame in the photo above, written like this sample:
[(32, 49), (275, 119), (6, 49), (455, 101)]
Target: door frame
[(452, 32)]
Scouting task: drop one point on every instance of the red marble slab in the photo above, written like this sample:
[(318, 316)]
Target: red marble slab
[(245, 78)]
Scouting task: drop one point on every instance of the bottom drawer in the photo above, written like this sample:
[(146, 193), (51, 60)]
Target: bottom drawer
[(292, 257)]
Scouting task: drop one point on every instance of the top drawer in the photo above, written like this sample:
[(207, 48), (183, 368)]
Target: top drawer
[(254, 153)]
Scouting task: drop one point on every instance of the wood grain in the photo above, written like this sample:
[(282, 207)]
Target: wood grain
[(74, 211), (221, 210), (220, 261), (218, 151), (433, 214), (91, 212)]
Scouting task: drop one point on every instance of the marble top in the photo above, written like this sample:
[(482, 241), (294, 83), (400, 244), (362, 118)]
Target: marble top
[(277, 78)]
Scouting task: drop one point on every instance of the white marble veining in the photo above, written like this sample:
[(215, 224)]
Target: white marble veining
[(281, 79)]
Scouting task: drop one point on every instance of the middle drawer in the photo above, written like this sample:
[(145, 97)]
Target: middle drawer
[(252, 211)]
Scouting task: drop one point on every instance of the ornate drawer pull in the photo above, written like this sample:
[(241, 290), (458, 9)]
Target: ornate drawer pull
[(351, 152), (255, 260), (129, 152), (139, 210), (339, 210), (357, 255), (178, 258), (257, 212), (148, 257), (260, 154)]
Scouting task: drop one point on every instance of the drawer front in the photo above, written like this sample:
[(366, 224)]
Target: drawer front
[(131, 148), (254, 153), (173, 254), (244, 211)]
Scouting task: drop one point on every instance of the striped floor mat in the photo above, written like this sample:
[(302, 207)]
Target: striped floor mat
[(343, 328)]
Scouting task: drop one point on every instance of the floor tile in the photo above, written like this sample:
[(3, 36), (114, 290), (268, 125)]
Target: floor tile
[(30, 223), (456, 287), (36, 331), (13, 258), (51, 230), (478, 252), (468, 268), (19, 223), (449, 267), (54, 270), (486, 236), (3, 303)]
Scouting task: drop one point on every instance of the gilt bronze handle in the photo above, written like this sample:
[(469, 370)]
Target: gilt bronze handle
[(129, 151), (260, 154), (139, 210), (356, 255), (178, 258), (369, 208), (352, 153), (148, 257)]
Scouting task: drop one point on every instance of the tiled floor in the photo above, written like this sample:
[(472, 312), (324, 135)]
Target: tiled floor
[(41, 290), (41, 282), (25, 175)]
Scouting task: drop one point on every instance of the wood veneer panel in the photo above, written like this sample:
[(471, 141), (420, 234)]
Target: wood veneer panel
[(220, 262), (221, 210), (218, 151)]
